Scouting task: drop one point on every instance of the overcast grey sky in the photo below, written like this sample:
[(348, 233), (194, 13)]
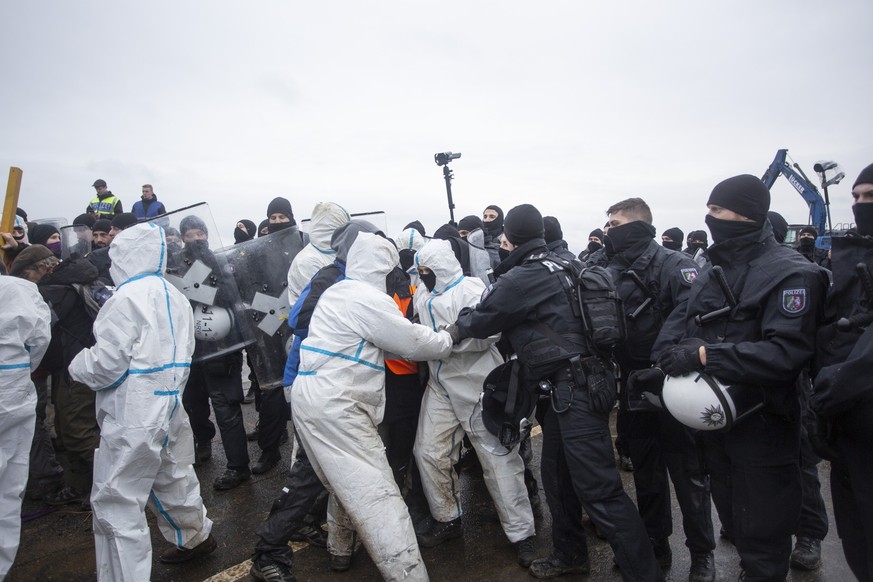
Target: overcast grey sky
[(569, 105)]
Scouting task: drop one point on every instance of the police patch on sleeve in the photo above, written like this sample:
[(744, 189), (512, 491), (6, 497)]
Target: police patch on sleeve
[(794, 301), (689, 275)]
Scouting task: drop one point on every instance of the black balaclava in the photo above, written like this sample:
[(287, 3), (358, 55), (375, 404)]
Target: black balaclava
[(698, 235), (552, 229), (807, 245), (40, 234), (429, 280), (863, 211), (676, 237), (264, 223), (594, 246), (779, 224), (470, 223), (522, 224), (407, 259), (282, 206), (744, 194), (495, 227), (629, 236), (21, 213), (240, 236), (503, 253), (192, 222)]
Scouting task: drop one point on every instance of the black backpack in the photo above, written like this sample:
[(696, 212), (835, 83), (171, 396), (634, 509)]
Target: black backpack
[(94, 295)]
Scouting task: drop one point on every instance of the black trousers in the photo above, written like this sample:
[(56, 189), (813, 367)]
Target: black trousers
[(578, 470), (659, 446), (755, 478), (289, 510), (851, 477), (273, 416), (219, 380)]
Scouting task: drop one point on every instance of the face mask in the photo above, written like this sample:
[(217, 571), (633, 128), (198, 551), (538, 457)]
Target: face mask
[(672, 245), (627, 235), (55, 248), (697, 246), (807, 244), (722, 230), (277, 226), (493, 227), (863, 212), (407, 258), (594, 246), (429, 280), (503, 253), (197, 246)]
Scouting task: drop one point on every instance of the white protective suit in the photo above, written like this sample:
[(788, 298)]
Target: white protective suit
[(451, 398), (25, 332), (338, 401), (139, 365), (326, 217)]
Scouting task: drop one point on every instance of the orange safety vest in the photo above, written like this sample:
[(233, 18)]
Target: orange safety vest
[(398, 366)]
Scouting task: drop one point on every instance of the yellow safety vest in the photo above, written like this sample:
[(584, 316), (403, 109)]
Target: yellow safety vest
[(104, 208)]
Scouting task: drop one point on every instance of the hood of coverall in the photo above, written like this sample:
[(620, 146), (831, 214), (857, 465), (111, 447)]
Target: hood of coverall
[(371, 258), (138, 250), (438, 256), (344, 236), (326, 217), (410, 239)]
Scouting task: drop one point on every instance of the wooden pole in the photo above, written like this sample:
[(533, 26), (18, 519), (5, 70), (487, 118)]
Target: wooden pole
[(10, 204)]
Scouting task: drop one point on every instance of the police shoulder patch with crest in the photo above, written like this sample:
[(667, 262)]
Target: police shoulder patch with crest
[(794, 301), (688, 275)]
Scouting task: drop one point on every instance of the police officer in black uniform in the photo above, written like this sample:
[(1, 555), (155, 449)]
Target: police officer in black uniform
[(843, 396), (764, 339), (533, 293), (651, 281)]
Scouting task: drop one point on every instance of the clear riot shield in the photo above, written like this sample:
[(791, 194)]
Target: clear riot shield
[(260, 267), (75, 241), (205, 278), (376, 218), (480, 260)]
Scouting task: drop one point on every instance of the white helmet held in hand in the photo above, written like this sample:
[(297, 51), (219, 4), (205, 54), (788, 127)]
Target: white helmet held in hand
[(701, 402)]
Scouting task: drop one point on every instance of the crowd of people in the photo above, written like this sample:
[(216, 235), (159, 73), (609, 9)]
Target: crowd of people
[(405, 354)]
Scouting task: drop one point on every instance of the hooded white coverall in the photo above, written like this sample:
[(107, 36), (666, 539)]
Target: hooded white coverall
[(450, 400), (138, 367), (326, 217), (338, 401), (25, 332)]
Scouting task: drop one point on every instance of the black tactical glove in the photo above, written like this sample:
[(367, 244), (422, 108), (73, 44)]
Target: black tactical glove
[(818, 431), (453, 331), (683, 358), (601, 385)]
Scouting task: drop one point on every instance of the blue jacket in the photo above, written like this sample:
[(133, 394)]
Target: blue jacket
[(155, 208)]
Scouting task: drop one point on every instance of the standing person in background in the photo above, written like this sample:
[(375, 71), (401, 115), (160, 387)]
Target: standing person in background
[(492, 224), (595, 243), (24, 322), (105, 204), (149, 206)]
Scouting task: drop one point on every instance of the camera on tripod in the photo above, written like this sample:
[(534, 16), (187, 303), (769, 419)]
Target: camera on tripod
[(444, 158)]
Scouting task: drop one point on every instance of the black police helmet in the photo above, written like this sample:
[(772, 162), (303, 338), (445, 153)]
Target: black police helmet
[(498, 387)]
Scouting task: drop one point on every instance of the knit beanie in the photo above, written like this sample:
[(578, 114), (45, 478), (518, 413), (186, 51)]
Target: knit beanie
[(865, 177), (40, 233), (744, 194), (102, 225), (698, 235), (809, 230), (522, 224), (598, 233), (84, 220), (779, 224), (281, 206), (552, 229), (124, 220), (417, 226), (470, 223)]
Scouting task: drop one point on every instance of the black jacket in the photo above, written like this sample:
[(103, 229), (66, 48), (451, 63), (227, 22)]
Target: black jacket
[(834, 390), (528, 290), (769, 337), (560, 248), (71, 332), (667, 276)]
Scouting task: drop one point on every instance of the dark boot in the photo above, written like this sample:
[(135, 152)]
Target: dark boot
[(441, 531), (526, 551), (806, 554), (266, 461), (554, 566), (702, 568), (178, 555)]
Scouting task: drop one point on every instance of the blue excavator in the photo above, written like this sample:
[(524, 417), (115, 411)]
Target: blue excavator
[(830, 174)]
